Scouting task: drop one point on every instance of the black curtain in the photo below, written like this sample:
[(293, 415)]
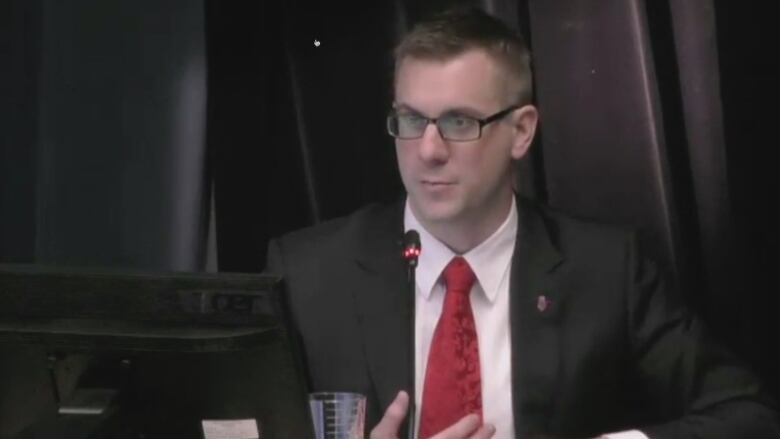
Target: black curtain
[(744, 287), (103, 151), (20, 23), (296, 130)]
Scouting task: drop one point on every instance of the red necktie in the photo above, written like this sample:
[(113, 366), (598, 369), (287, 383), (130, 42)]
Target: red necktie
[(453, 387)]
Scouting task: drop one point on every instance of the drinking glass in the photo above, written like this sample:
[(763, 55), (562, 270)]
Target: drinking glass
[(338, 415)]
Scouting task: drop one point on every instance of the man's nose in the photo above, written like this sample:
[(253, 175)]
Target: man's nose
[(433, 148)]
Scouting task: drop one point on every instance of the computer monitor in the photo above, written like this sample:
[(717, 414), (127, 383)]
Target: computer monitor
[(164, 352)]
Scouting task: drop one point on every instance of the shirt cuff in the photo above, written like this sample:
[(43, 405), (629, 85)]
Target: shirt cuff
[(631, 434)]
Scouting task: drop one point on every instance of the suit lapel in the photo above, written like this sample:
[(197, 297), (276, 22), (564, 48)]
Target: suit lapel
[(535, 305), (381, 302)]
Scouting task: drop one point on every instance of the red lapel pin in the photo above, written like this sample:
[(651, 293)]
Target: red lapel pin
[(542, 303)]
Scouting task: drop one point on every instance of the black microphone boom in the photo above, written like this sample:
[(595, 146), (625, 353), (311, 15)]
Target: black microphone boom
[(411, 253)]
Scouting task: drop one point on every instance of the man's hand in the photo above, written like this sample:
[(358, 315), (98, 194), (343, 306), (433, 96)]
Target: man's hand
[(466, 428), (394, 416)]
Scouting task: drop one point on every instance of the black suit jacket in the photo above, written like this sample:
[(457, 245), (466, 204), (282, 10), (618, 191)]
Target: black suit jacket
[(613, 350)]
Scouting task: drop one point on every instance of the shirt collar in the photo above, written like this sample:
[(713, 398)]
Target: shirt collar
[(489, 260)]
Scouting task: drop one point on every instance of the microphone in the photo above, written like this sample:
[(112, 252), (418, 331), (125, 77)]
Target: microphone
[(411, 248), (410, 254)]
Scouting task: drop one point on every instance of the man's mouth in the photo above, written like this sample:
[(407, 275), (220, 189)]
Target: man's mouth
[(437, 183)]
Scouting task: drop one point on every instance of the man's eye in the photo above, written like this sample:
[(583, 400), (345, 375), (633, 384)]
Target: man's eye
[(412, 119), (458, 121)]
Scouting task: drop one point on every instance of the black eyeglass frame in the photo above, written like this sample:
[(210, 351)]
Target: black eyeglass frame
[(481, 122)]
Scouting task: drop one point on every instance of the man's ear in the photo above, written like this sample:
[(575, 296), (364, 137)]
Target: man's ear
[(525, 120)]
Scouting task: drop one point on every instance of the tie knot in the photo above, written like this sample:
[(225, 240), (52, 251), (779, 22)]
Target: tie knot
[(458, 276)]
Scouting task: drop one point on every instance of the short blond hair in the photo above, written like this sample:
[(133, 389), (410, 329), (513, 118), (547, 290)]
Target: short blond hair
[(458, 30)]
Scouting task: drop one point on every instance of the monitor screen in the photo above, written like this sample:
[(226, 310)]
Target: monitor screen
[(140, 354)]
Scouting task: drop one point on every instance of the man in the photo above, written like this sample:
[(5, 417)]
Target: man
[(528, 323)]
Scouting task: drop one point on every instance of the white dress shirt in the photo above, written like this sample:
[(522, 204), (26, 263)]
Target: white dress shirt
[(490, 262)]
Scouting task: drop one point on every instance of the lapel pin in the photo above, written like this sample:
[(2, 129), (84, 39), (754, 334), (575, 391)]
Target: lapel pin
[(542, 303)]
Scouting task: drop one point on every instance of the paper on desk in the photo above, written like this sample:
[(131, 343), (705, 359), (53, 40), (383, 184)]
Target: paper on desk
[(230, 429)]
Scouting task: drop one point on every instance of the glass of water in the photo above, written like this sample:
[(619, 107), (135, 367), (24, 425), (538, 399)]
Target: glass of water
[(338, 415)]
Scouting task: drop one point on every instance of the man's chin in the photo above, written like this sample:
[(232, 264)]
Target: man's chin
[(436, 214)]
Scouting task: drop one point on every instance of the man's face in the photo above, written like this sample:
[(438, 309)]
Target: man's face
[(451, 182)]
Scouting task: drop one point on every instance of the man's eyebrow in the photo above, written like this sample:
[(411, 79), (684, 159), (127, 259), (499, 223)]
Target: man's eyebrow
[(405, 107), (466, 111)]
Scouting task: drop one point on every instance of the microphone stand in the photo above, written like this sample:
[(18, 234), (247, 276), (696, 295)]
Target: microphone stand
[(411, 253)]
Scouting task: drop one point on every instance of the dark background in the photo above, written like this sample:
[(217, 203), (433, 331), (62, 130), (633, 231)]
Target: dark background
[(181, 135)]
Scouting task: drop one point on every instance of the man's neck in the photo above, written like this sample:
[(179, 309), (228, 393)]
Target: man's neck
[(466, 233)]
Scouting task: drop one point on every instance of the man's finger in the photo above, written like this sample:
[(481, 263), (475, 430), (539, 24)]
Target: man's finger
[(393, 417), (464, 428), (485, 432)]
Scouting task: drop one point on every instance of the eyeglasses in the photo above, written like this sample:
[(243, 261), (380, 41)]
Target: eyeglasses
[(452, 126)]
